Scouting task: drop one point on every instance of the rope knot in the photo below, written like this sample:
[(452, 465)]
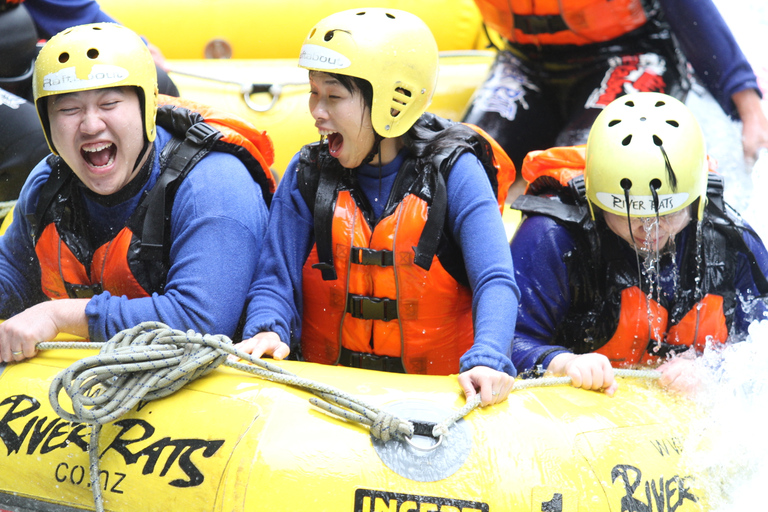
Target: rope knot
[(387, 426)]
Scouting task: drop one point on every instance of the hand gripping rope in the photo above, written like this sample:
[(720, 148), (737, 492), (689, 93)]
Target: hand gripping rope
[(152, 361)]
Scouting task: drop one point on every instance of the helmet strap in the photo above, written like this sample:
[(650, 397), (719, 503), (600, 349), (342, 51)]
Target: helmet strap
[(142, 153)]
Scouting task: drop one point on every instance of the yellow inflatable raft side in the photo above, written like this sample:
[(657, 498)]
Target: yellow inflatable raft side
[(243, 29), (234, 442)]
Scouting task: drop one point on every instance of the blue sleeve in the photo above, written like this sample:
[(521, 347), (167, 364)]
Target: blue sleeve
[(538, 248), (751, 306), (474, 220), (19, 266), (217, 225), (709, 45), (53, 16), (275, 299)]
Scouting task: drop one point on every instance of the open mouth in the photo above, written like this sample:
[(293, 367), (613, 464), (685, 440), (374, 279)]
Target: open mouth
[(335, 141), (100, 155)]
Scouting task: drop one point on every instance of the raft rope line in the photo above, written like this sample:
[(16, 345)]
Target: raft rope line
[(151, 361), (6, 207)]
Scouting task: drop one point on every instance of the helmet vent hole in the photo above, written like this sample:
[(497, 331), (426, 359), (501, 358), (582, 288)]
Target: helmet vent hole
[(626, 140), (390, 16), (657, 140), (672, 122), (64, 57), (328, 35), (660, 103), (626, 184), (630, 103), (311, 34), (655, 184), (614, 123), (93, 53)]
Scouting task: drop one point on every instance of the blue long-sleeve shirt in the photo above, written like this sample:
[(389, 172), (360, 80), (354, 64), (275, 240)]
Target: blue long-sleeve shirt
[(708, 43), (538, 250), (473, 217), (217, 223), (53, 16)]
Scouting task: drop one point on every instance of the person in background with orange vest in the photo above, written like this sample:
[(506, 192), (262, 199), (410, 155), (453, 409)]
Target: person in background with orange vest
[(23, 23), (385, 248), (564, 61), (611, 267), (127, 221)]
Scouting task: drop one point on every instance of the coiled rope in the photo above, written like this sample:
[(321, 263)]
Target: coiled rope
[(151, 361)]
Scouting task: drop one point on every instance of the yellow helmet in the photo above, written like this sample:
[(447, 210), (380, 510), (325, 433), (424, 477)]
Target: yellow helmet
[(95, 56), (393, 50), (649, 148)]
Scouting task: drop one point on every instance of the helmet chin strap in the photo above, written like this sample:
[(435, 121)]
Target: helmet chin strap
[(142, 154)]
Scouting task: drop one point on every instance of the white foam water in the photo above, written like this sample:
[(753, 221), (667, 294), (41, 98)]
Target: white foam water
[(728, 445)]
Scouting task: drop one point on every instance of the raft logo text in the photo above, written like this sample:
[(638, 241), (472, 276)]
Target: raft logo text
[(367, 500), (134, 441)]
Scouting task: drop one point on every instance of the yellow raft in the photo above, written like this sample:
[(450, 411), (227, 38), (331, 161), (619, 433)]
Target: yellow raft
[(243, 29), (231, 441)]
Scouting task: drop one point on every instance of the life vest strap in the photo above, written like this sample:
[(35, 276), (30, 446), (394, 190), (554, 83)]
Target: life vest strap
[(196, 144), (364, 256), (371, 308), (551, 207), (82, 291), (370, 361), (540, 24)]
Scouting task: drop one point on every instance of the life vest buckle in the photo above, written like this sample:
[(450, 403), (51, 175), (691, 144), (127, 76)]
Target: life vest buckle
[(202, 134), (371, 308), (82, 291), (368, 361), (364, 256), (540, 24)]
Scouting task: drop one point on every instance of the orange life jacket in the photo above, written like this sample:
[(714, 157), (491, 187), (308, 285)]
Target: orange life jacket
[(384, 290), (423, 316), (642, 319), (135, 262), (607, 314), (562, 22)]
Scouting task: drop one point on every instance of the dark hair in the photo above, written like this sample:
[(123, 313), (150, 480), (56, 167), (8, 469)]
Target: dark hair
[(353, 83)]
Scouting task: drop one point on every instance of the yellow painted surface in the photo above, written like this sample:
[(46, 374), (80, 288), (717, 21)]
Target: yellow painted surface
[(182, 29), (233, 442)]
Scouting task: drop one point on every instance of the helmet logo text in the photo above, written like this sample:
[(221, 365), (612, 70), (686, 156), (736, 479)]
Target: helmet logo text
[(318, 57), (101, 75), (641, 205)]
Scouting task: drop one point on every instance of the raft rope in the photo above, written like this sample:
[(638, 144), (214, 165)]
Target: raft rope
[(151, 361), (6, 207)]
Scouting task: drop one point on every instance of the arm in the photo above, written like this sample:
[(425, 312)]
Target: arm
[(752, 306), (275, 296), (31, 316), (707, 41), (474, 220), (537, 251), (53, 16), (217, 225)]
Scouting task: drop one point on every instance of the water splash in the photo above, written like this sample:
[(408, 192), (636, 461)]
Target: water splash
[(728, 447)]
